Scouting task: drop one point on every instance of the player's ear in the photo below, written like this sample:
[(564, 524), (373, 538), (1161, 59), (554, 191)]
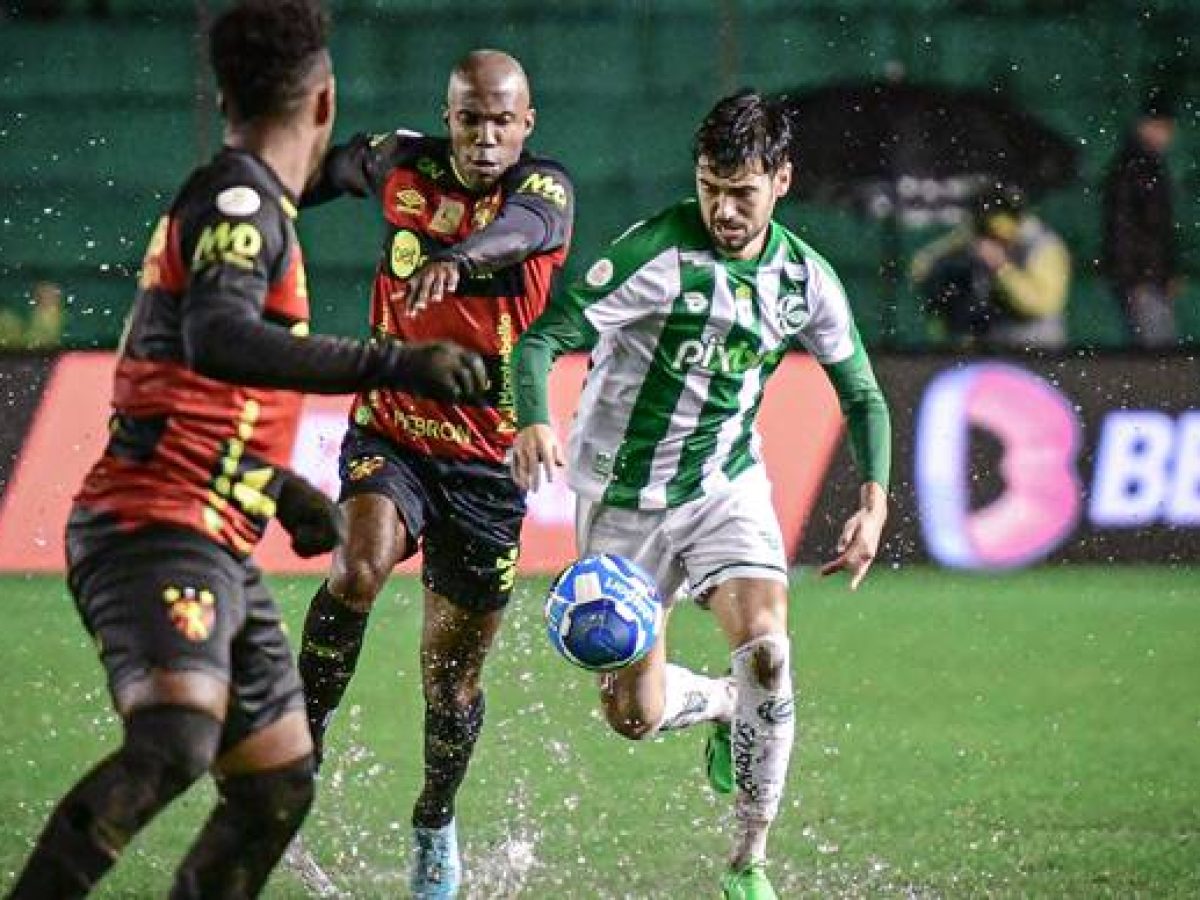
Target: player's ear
[(446, 116), (530, 120), (326, 105), (222, 106), (783, 179)]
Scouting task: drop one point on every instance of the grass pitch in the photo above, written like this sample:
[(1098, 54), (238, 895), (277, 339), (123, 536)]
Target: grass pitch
[(1036, 735)]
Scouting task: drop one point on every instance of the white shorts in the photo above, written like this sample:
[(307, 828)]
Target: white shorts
[(700, 544)]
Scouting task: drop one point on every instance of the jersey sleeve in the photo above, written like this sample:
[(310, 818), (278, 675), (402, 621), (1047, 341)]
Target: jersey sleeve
[(232, 256), (636, 277), (232, 250), (828, 333), (868, 420), (536, 217), (358, 167), (832, 337)]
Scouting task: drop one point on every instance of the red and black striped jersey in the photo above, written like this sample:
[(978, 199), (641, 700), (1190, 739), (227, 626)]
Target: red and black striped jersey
[(185, 449), (428, 213)]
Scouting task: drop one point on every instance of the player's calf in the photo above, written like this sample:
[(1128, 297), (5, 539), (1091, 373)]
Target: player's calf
[(329, 651), (763, 733), (166, 748), (451, 730), (630, 710), (685, 698), (256, 816)]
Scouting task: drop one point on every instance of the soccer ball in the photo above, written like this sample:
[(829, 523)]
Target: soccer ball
[(603, 612)]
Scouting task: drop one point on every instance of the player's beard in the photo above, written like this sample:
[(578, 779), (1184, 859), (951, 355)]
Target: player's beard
[(735, 241)]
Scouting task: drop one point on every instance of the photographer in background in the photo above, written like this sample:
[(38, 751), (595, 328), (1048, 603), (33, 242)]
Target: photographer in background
[(999, 280)]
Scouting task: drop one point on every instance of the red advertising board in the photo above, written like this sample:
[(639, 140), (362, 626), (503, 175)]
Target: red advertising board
[(800, 422)]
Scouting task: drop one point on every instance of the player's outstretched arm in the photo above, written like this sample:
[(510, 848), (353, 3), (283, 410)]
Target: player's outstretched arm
[(535, 218), (225, 338), (230, 335), (357, 167)]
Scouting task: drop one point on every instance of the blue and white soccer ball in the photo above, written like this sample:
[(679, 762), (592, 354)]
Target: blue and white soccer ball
[(603, 612)]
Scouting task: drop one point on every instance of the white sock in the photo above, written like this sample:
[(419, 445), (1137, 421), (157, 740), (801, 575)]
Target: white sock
[(689, 698), (764, 726)]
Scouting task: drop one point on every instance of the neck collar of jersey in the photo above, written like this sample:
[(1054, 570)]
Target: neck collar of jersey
[(288, 202)]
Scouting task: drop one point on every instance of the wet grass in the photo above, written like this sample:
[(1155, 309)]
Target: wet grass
[(1036, 735)]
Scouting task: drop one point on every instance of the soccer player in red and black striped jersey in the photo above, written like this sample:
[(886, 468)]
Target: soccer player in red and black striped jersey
[(205, 412), (476, 230)]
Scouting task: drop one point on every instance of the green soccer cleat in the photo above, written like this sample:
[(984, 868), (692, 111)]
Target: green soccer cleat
[(749, 883), (718, 759)]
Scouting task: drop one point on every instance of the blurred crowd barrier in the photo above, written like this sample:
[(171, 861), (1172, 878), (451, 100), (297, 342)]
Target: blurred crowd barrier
[(104, 106), (999, 463)]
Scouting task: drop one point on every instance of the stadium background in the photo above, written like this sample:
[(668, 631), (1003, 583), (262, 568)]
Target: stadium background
[(101, 116), (1026, 734)]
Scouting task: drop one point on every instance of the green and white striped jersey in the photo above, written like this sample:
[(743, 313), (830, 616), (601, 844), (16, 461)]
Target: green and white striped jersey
[(684, 341)]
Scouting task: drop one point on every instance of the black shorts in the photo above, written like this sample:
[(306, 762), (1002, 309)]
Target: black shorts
[(168, 598), (466, 515)]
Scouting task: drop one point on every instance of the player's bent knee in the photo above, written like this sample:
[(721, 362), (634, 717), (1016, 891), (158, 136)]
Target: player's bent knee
[(628, 719), (357, 582), (277, 799), (449, 691), (174, 745), (769, 658)]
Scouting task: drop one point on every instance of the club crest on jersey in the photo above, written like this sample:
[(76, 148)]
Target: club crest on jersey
[(191, 611), (364, 467), (410, 202), (485, 210), (695, 301), (406, 254), (448, 217), (792, 312)]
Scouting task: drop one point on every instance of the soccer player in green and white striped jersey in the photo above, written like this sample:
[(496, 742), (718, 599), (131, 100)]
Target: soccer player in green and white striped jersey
[(687, 316)]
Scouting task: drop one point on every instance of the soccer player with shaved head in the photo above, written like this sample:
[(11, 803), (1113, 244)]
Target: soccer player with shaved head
[(476, 228), (687, 316)]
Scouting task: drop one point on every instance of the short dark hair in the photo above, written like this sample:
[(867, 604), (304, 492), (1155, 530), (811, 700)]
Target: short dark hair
[(263, 53), (743, 128)]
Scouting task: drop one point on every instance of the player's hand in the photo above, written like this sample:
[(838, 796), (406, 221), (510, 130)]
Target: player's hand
[(439, 369), (536, 451), (859, 541), (316, 524), (431, 283)]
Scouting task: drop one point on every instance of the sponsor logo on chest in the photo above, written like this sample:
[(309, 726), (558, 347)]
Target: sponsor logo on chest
[(713, 354)]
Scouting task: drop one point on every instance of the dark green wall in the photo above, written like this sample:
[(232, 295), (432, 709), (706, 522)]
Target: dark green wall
[(101, 118)]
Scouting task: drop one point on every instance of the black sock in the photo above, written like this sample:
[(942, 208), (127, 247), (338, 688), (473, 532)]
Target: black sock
[(165, 749), (256, 816), (333, 639), (450, 735)]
